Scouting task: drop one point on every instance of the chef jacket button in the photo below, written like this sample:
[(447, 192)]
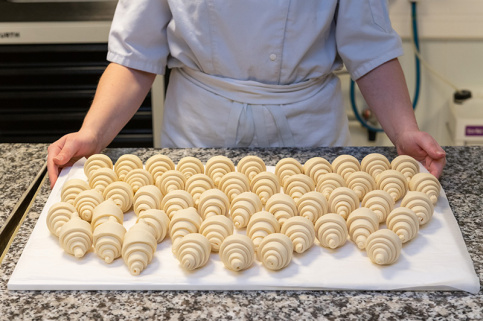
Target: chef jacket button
[(273, 57)]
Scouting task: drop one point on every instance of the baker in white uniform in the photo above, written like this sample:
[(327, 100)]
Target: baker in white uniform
[(250, 73)]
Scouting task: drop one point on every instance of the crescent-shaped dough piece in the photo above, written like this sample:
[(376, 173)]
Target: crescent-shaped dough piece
[(331, 230), (297, 185), (420, 203), (217, 167), (104, 211), (361, 183), (193, 251), (344, 165), (197, 184), (261, 224), (102, 177), (138, 247), (86, 201), (406, 165), (404, 222), (282, 206), (157, 165), (108, 238), (216, 228), (127, 163), (361, 223), (213, 202), (175, 201), (147, 197), (237, 252), (96, 161), (138, 178), (71, 189), (190, 166), (121, 193), (380, 202), (383, 247), (343, 201), (265, 184), (312, 205), (275, 251), (59, 214), (301, 232), (158, 221), (374, 164), (316, 167), (233, 184), (170, 181), (426, 183), (243, 207), (329, 182), (251, 166), (287, 167), (75, 236), (393, 182), (184, 222)]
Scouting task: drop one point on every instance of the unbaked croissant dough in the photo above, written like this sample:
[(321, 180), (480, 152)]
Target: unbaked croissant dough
[(374, 164), (59, 214), (361, 183), (243, 207), (237, 252), (404, 222), (71, 189), (216, 228), (344, 165), (380, 202), (426, 183), (184, 222), (75, 236), (175, 201), (420, 203), (275, 251), (406, 165), (301, 231), (265, 184), (297, 185), (343, 201), (329, 182), (86, 201), (282, 206), (287, 167), (251, 166), (108, 238), (312, 205), (213, 202), (157, 220), (190, 166), (121, 193), (261, 224), (170, 181), (393, 182), (138, 178), (193, 251), (217, 167), (383, 247), (104, 211), (127, 163), (197, 184), (138, 247), (102, 177), (361, 223), (234, 183), (316, 167), (96, 161), (147, 197), (331, 230), (157, 165)]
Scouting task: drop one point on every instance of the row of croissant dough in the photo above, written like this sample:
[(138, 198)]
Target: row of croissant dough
[(199, 206)]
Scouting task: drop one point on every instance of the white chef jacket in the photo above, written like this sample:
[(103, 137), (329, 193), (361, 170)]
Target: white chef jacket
[(253, 72)]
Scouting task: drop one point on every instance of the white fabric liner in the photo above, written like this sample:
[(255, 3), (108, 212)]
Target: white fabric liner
[(437, 259)]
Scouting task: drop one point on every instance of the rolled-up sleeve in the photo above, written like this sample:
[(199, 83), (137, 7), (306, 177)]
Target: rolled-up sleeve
[(364, 36), (138, 38)]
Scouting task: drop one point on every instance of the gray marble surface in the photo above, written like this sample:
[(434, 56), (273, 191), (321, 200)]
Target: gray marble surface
[(463, 185)]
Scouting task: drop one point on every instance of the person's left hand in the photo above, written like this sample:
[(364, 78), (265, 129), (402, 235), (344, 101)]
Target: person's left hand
[(424, 148)]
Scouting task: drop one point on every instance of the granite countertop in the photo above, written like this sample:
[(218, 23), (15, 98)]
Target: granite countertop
[(461, 181)]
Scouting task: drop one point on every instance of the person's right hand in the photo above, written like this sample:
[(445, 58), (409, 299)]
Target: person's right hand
[(67, 150)]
